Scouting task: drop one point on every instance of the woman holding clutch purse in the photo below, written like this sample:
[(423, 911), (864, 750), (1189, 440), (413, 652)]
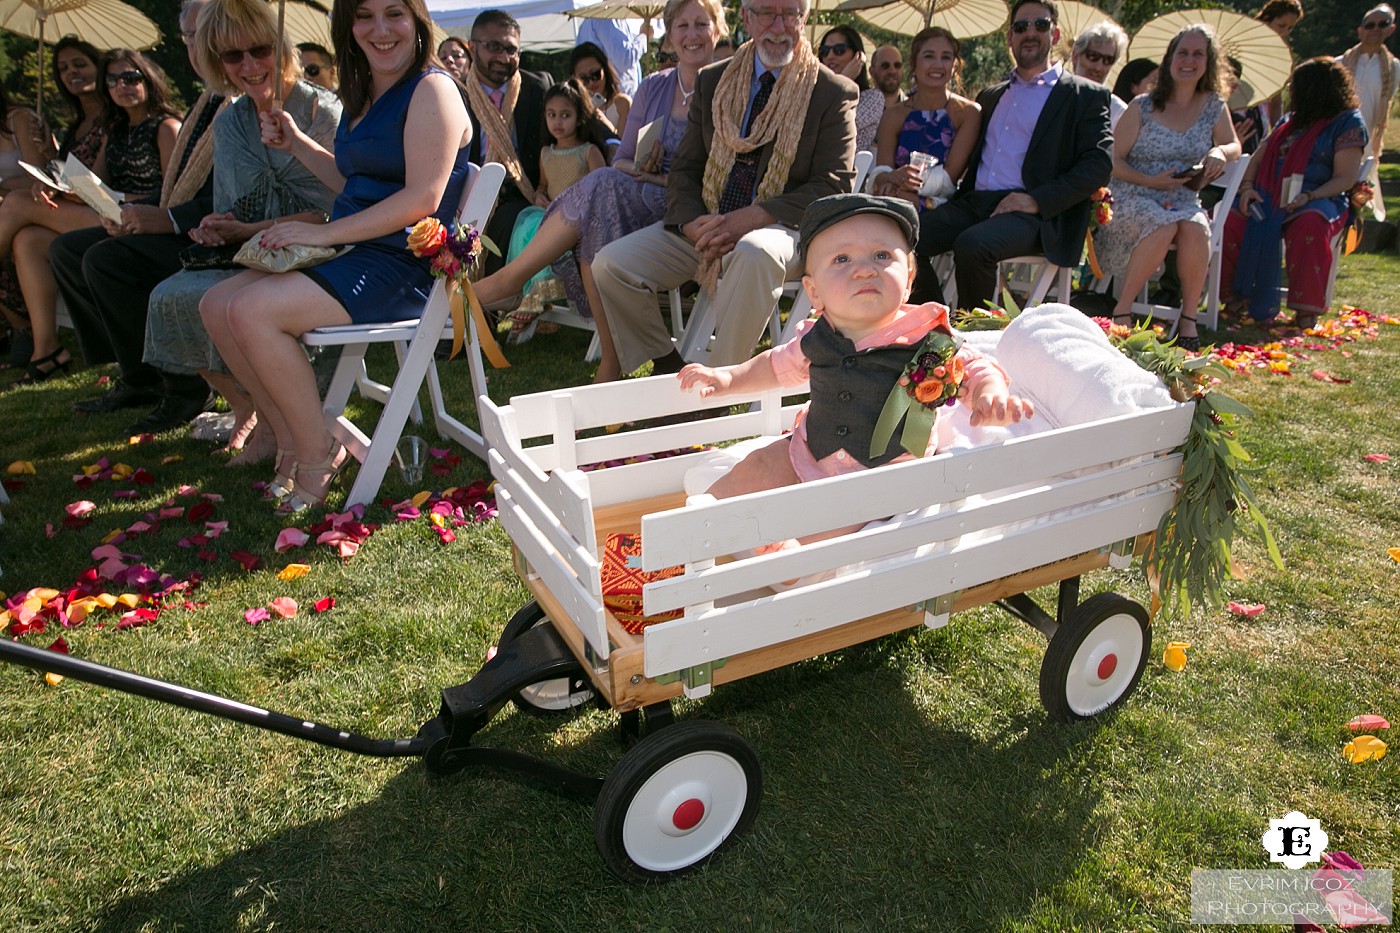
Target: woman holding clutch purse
[(631, 193), (400, 155)]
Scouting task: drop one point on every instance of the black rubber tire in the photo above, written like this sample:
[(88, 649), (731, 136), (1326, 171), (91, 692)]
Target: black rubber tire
[(557, 696), (670, 772), (1071, 691)]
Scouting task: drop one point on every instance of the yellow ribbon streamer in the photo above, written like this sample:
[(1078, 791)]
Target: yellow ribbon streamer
[(1093, 257), (483, 330)]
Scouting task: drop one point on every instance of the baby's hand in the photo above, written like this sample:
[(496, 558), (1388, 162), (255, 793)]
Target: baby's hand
[(995, 406), (708, 381)]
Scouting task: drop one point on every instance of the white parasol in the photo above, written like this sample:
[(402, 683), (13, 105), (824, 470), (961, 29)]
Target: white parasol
[(965, 19), (1264, 58)]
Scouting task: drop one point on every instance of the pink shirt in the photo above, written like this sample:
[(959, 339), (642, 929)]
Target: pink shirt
[(908, 327), (1009, 130)]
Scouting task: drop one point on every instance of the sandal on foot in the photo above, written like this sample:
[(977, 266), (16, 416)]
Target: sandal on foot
[(302, 498), (46, 367), (522, 325), (1304, 320), (284, 480), (1192, 343)]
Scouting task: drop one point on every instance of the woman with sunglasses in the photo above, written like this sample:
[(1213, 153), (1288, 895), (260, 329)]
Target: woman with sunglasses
[(631, 194), (254, 187), (589, 64), (140, 126), (842, 50), (400, 155), (1168, 145)]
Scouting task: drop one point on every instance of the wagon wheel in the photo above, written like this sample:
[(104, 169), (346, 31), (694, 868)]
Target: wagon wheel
[(675, 799), (1095, 658), (557, 694)]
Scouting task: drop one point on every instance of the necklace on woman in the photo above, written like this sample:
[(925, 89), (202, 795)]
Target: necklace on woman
[(685, 95)]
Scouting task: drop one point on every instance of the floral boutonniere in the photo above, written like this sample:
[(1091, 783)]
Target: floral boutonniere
[(932, 378)]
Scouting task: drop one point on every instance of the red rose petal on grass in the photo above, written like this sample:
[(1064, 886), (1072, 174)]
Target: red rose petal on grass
[(1248, 610), (185, 489), (191, 606), (324, 604), (137, 528), (256, 616), (59, 645), (199, 512), (1377, 458), (82, 482), (124, 494), (207, 555), (249, 561), (136, 618), (1368, 721), (441, 469), (143, 477), (284, 606), (102, 381), (73, 522), (289, 538), (171, 511)]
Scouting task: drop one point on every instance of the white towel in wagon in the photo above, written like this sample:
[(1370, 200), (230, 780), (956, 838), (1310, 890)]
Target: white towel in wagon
[(1052, 353)]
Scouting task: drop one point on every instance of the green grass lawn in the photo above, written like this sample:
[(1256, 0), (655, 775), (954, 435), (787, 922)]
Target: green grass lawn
[(910, 783)]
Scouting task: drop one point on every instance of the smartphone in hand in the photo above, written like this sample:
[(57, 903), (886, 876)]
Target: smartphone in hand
[(1188, 172)]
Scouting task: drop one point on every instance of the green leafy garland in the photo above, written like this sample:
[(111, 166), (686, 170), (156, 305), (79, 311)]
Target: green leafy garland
[(1190, 556)]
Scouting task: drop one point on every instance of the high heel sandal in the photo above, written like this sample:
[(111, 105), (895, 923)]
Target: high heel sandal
[(36, 373), (284, 479), (1191, 344), (300, 499)]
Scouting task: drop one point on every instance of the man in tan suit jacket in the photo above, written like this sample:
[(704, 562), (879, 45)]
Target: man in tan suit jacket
[(755, 244)]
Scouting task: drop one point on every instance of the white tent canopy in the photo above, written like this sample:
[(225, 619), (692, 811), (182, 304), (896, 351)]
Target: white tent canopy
[(543, 25)]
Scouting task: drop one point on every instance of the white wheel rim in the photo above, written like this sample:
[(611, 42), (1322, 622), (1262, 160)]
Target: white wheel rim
[(554, 695), (684, 811), (1104, 665)]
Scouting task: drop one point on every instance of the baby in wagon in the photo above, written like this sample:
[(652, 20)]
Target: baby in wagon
[(879, 368)]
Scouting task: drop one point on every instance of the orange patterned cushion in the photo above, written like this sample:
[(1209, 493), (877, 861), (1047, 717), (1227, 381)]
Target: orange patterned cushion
[(623, 579)]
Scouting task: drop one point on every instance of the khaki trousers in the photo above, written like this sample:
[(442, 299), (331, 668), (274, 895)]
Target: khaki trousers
[(630, 271)]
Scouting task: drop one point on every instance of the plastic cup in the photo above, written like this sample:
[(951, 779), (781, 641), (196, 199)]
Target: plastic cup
[(411, 455), (922, 162)]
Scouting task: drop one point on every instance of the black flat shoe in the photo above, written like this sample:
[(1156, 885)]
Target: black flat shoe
[(122, 395), (173, 411), (46, 367)]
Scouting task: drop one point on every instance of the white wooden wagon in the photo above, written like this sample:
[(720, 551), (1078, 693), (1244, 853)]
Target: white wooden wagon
[(942, 534)]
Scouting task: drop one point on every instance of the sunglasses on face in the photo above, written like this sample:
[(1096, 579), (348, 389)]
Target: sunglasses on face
[(235, 56), (1379, 24), (588, 77), (498, 48), (1099, 58), (839, 48), (129, 78), (1041, 24), (312, 71)]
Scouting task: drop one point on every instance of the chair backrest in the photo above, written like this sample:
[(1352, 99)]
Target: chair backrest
[(1234, 174), (864, 159)]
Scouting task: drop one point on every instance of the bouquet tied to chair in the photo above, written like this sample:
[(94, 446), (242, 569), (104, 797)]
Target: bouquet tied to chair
[(454, 252)]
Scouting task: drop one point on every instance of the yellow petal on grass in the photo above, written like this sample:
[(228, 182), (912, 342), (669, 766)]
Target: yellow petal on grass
[(420, 498), (43, 592), (78, 609), (1394, 554), (112, 535), (1175, 655), (1364, 748), (173, 458), (122, 471), (20, 468), (106, 600), (292, 571), (53, 680), (129, 600)]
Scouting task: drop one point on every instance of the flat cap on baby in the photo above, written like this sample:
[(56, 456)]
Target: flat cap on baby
[(825, 212)]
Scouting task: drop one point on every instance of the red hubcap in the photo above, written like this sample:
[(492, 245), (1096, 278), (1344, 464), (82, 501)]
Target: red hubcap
[(689, 814), (1107, 666)]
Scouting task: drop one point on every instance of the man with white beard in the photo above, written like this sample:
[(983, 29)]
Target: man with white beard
[(770, 131)]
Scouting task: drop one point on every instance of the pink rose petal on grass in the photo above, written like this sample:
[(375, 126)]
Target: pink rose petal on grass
[(324, 604), (407, 514), (80, 508), (1368, 721), (289, 538), (124, 494), (216, 528), (1377, 458), (437, 453), (284, 606), (344, 545), (186, 490), (1248, 610), (249, 561), (211, 496), (255, 616), (173, 511)]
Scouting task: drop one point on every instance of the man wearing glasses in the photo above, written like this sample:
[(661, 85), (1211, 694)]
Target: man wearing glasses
[(1096, 50), (1044, 149), (506, 107), (1376, 73), (770, 131)]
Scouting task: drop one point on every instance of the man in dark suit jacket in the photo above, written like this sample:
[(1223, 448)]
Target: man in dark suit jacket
[(1045, 148), (105, 275), (761, 235), (495, 54)]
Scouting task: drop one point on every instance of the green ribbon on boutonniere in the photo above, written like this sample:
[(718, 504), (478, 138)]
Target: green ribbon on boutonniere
[(932, 378)]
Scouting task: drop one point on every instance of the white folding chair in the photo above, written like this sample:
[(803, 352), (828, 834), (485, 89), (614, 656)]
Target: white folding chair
[(1368, 165), (415, 342), (1033, 277)]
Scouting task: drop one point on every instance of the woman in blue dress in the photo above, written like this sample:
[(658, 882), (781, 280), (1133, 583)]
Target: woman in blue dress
[(400, 155)]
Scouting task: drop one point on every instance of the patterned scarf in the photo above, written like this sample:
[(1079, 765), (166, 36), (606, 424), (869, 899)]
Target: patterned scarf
[(780, 123), (496, 124), (1351, 58), (184, 185)]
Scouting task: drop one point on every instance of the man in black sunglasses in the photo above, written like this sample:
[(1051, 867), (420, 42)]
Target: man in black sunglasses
[(1045, 147), (1096, 50), (317, 64)]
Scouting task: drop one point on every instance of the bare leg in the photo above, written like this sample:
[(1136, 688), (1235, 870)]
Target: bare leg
[(1145, 259), (553, 239), (1192, 260), (245, 420), (214, 310), (609, 366), (19, 210), (36, 281)]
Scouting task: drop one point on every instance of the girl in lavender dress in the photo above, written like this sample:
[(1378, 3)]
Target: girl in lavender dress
[(629, 195)]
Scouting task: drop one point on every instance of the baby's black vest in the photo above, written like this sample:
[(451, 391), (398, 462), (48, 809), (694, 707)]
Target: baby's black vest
[(849, 388)]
